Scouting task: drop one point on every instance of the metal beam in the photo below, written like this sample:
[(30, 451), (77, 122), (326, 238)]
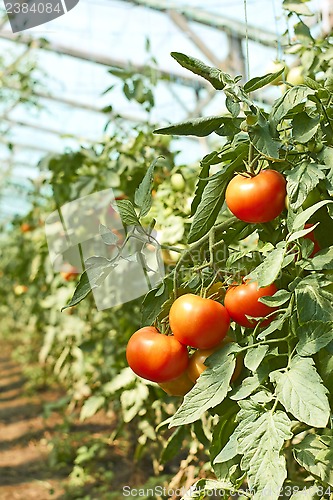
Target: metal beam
[(57, 48), (213, 20)]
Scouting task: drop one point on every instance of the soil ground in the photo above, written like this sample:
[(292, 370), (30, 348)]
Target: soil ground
[(24, 472)]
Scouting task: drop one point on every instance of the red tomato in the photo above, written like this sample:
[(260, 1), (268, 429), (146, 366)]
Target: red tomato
[(311, 237), (197, 361), (178, 386), (156, 357), (69, 272), (242, 300), (257, 199), (198, 322)]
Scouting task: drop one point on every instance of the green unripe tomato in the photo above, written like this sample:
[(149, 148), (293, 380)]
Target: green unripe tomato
[(315, 146), (295, 75), (274, 67), (244, 126), (251, 119), (177, 182)]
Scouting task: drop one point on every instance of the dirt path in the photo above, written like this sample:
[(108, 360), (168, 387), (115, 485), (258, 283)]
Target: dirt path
[(24, 473)]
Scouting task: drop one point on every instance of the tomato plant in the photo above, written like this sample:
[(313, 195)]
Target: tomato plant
[(242, 301), (257, 198), (198, 322), (156, 357)]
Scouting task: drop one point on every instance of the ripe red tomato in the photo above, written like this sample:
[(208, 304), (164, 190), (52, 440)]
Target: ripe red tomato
[(311, 237), (197, 361), (257, 199), (69, 272), (242, 300), (198, 322), (25, 227), (156, 357), (178, 386)]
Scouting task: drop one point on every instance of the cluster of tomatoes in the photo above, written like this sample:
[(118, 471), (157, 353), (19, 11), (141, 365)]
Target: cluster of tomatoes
[(202, 323), (198, 323)]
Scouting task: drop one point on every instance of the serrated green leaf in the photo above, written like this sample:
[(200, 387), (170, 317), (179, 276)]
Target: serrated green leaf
[(199, 127), (276, 300), (321, 261), (304, 127), (143, 195), (108, 237), (254, 357), (313, 302), (260, 437), (211, 387), (306, 454), (127, 213), (313, 336), (91, 406), (246, 388), (291, 99), (261, 138), (301, 180), (268, 271), (261, 81), (301, 391), (213, 75)]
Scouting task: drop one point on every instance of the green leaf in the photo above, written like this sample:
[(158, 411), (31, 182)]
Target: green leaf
[(254, 357), (260, 437), (213, 196), (153, 302), (211, 387), (300, 234), (201, 184), (313, 336), (268, 271), (91, 406), (301, 180), (291, 99), (301, 391), (246, 388), (173, 445), (304, 127), (321, 261), (213, 75), (89, 280), (143, 196), (313, 302), (304, 216), (297, 6), (127, 213), (276, 300), (133, 400), (123, 379), (209, 206), (108, 237), (261, 138), (199, 127), (261, 81), (306, 454)]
